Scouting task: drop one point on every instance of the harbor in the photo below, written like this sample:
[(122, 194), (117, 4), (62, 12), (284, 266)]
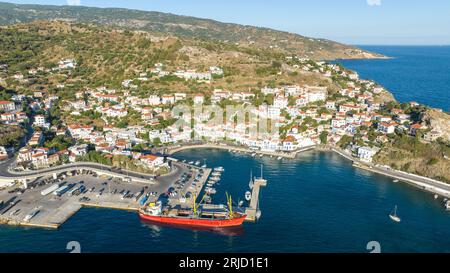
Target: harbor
[(48, 202), (238, 149)]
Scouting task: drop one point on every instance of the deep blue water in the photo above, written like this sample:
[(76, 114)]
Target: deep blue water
[(315, 203), (416, 73)]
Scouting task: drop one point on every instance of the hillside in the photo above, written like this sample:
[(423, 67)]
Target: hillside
[(186, 27), (108, 56)]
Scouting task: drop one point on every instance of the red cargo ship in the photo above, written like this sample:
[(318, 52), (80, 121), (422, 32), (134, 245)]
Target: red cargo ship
[(199, 216)]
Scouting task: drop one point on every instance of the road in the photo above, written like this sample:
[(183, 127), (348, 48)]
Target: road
[(7, 174)]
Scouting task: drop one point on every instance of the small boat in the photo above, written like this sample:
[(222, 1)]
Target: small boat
[(258, 214), (219, 169), (436, 196), (210, 191), (254, 154), (241, 203), (215, 179), (248, 196), (208, 199), (396, 181), (204, 166), (394, 217), (216, 174), (279, 158), (447, 205), (191, 162), (197, 163), (261, 155)]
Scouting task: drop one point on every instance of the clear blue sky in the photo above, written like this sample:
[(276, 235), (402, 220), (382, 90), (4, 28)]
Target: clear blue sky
[(413, 22)]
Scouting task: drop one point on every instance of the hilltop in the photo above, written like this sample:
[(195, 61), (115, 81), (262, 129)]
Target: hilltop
[(247, 37), (108, 56)]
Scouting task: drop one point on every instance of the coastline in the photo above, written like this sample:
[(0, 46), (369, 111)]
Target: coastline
[(424, 183)]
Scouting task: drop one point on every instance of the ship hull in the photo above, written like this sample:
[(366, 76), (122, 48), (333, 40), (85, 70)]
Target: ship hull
[(196, 222)]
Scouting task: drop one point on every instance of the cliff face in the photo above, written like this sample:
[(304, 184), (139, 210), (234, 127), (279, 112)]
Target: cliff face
[(438, 122)]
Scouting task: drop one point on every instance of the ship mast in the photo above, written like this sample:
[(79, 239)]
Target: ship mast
[(196, 206), (230, 205)]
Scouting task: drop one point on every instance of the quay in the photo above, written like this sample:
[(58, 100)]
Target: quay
[(101, 191), (252, 210), (424, 183), (232, 148)]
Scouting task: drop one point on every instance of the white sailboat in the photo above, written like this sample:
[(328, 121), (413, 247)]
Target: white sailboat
[(447, 205), (250, 184), (394, 217)]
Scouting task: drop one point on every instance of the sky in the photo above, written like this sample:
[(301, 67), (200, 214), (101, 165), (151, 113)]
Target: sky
[(359, 22)]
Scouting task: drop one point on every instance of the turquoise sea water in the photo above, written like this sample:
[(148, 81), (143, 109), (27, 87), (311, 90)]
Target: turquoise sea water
[(315, 203), (416, 73)]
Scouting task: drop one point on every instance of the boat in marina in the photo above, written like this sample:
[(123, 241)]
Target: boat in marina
[(396, 181), (447, 205), (197, 216), (394, 217), (436, 196), (219, 169), (197, 163), (210, 190), (215, 179), (204, 166), (279, 158), (191, 162)]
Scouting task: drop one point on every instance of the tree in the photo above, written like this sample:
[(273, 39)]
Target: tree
[(324, 137)]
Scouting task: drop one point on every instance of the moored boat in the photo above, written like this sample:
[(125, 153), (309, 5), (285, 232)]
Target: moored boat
[(198, 216), (394, 217), (219, 169)]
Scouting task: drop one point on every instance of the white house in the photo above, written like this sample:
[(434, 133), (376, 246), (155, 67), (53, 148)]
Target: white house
[(199, 99), (7, 106), (366, 153)]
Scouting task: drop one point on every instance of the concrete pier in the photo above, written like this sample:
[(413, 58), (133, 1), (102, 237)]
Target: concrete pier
[(252, 210), (101, 192)]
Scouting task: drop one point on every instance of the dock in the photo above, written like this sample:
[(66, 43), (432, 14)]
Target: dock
[(101, 192), (252, 210)]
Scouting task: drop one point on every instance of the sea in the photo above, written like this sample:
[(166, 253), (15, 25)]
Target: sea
[(315, 203), (414, 73)]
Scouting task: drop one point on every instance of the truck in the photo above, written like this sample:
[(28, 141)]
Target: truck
[(60, 191), (50, 189), (72, 191)]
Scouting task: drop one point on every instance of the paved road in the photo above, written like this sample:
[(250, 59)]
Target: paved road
[(406, 176), (398, 174), (6, 173)]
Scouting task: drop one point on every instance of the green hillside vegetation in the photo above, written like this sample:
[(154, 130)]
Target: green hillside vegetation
[(248, 37), (107, 56)]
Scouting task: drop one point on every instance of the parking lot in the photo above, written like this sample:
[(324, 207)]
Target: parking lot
[(35, 207)]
